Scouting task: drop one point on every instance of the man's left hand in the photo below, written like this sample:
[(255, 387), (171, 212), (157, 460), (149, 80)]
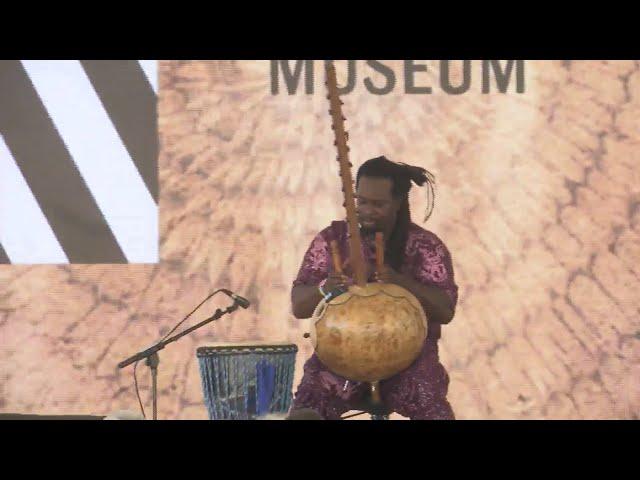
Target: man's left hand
[(388, 275)]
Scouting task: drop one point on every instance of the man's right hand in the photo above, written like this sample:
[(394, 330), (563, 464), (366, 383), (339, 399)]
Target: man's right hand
[(335, 280), (348, 273)]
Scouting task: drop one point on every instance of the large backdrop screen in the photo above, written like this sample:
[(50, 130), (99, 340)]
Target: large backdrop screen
[(130, 190)]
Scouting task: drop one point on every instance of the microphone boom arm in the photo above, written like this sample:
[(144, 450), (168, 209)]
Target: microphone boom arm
[(160, 345)]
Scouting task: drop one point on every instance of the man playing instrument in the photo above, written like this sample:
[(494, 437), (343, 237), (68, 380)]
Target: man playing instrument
[(416, 260)]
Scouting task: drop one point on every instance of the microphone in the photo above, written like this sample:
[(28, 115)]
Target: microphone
[(243, 302)]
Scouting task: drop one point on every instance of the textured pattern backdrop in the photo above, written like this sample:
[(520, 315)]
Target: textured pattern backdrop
[(537, 199)]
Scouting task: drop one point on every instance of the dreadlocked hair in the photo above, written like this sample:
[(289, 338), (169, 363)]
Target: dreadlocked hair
[(401, 176)]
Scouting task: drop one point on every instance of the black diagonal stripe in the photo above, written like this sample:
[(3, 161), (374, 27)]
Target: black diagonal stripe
[(51, 172), (127, 97), (4, 258)]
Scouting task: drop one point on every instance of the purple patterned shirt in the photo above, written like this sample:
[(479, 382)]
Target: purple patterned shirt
[(426, 259)]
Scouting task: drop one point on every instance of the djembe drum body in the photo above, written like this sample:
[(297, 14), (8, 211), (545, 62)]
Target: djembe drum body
[(244, 382)]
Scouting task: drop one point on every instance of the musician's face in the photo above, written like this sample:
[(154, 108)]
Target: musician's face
[(377, 209)]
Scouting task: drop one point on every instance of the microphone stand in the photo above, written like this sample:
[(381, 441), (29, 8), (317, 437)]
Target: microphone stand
[(153, 359)]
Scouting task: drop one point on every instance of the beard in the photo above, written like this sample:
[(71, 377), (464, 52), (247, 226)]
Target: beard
[(370, 230)]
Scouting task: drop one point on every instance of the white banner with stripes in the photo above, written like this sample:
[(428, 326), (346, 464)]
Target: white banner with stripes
[(78, 161)]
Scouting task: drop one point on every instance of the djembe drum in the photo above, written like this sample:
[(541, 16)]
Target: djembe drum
[(242, 382)]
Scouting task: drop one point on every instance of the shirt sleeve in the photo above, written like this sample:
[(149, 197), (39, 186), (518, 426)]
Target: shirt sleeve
[(435, 266), (315, 264)]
